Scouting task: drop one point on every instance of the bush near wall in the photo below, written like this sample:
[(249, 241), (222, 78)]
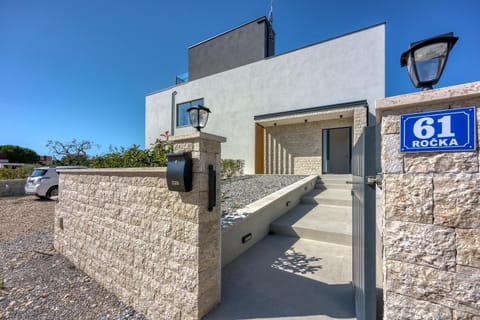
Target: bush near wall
[(135, 157), (18, 173), (232, 168)]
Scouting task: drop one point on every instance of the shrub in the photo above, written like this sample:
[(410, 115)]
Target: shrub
[(18, 173), (232, 168), (156, 156)]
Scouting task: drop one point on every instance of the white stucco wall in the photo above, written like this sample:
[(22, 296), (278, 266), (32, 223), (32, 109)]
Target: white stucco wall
[(344, 69)]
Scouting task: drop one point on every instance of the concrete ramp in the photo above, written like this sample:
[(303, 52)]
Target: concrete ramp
[(288, 278)]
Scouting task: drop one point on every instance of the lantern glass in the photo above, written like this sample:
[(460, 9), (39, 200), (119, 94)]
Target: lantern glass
[(202, 118), (430, 60), (193, 117), (198, 116)]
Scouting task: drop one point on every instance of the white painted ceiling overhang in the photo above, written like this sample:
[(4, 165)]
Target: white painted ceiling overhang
[(302, 117)]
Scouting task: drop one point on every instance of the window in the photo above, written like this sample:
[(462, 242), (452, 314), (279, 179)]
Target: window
[(38, 173), (182, 113)]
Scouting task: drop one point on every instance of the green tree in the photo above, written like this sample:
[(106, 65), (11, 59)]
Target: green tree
[(19, 154), (71, 152)]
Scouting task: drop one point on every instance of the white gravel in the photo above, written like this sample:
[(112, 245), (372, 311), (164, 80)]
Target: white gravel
[(239, 192)]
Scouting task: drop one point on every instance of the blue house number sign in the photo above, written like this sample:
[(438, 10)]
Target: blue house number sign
[(445, 130)]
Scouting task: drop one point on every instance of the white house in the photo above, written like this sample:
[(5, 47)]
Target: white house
[(298, 112)]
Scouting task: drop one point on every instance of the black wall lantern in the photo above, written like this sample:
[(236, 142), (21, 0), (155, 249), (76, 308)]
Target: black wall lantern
[(198, 116), (426, 59)]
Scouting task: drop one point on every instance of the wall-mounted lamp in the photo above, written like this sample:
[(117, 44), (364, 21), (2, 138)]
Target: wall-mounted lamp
[(198, 116), (426, 59)]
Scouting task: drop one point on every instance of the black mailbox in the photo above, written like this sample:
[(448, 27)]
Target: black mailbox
[(179, 171)]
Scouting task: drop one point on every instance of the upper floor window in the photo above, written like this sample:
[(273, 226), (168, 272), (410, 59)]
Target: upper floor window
[(182, 113)]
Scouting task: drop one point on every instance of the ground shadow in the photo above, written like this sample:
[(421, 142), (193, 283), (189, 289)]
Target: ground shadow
[(296, 262), (272, 281)]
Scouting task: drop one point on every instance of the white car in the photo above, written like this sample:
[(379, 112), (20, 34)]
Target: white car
[(44, 181)]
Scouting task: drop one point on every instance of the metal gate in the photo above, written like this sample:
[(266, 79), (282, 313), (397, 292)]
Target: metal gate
[(363, 233)]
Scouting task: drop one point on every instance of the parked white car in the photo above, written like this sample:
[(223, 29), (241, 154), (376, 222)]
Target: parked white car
[(44, 181)]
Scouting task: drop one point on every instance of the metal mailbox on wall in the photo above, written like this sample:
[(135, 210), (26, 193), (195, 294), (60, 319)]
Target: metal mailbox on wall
[(437, 131), (179, 172)]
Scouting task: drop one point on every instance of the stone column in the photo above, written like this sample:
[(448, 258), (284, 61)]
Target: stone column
[(431, 223), (205, 149)]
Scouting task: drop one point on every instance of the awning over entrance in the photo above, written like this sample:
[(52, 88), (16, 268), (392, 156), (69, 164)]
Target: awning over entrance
[(321, 113), (308, 141)]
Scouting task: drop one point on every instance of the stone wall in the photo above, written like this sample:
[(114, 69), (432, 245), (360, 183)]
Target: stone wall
[(155, 249), (10, 188), (432, 216), (297, 148)]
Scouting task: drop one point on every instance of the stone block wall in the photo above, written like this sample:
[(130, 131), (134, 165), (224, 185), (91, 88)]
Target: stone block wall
[(14, 187), (155, 249), (431, 230), (297, 148)]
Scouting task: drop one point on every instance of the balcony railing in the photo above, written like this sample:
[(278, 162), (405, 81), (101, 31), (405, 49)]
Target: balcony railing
[(181, 78)]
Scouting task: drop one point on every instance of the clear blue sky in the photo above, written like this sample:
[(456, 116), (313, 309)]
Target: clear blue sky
[(81, 69)]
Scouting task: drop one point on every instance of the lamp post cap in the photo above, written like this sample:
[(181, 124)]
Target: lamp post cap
[(198, 135), (199, 107), (446, 37)]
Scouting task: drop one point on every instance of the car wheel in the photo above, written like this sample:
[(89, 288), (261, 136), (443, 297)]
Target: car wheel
[(52, 192)]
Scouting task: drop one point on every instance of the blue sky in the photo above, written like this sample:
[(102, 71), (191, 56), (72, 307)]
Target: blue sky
[(81, 69)]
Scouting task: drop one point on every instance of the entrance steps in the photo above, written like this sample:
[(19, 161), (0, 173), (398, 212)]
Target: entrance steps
[(325, 214), (334, 181)]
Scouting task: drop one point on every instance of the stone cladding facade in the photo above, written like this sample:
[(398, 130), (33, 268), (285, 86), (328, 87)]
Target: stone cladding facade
[(431, 220), (155, 249), (297, 148)]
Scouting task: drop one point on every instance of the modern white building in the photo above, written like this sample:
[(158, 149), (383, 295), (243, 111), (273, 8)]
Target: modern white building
[(298, 112)]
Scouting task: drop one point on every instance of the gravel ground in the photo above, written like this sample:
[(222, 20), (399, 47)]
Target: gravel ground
[(41, 284), (239, 192)]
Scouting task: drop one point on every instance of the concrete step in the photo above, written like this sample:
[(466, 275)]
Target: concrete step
[(331, 224), (331, 197), (335, 177), (336, 181), (332, 185)]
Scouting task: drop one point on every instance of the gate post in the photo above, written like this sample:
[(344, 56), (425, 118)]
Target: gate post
[(431, 228), (205, 150)]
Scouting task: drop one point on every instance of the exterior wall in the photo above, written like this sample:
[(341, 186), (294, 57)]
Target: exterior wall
[(10, 188), (431, 230), (360, 116), (245, 44), (157, 250), (344, 69)]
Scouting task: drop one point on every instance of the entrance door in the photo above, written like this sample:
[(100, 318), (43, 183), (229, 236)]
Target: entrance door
[(337, 146)]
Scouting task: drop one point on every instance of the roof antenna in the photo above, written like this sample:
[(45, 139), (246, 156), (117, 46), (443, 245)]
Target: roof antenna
[(270, 14)]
